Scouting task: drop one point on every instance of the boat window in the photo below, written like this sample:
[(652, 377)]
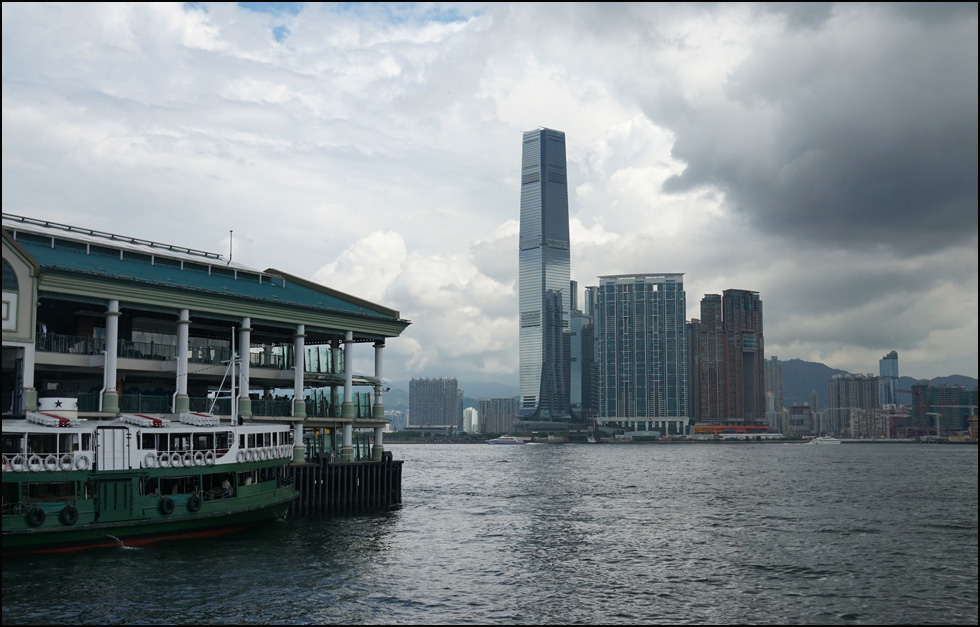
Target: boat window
[(12, 443), (203, 441), (50, 491), (86, 441), (251, 440), (223, 440), (42, 444), (148, 442), (241, 441), (180, 442), (65, 441)]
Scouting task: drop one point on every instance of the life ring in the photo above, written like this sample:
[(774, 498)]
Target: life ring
[(18, 463), (175, 460), (210, 458), (188, 459), (164, 459), (35, 463), (150, 461), (263, 454), (250, 454), (36, 516), (82, 463), (6, 464), (198, 458), (51, 462), (194, 504), (67, 462), (69, 515), (240, 456), (166, 506)]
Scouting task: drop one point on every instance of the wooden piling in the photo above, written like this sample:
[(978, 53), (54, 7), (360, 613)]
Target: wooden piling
[(347, 487)]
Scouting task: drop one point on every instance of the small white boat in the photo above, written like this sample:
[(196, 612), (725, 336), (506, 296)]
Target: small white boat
[(825, 439), (506, 439)]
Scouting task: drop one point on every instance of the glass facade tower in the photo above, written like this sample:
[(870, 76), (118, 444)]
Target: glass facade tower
[(544, 278), (641, 351)]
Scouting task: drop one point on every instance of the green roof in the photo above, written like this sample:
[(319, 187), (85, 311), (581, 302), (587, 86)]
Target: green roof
[(167, 273)]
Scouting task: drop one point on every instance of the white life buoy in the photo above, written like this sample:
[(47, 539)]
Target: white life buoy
[(18, 463), (250, 454), (210, 458), (67, 463), (188, 459), (175, 460), (240, 456), (163, 459), (34, 463), (150, 461), (263, 454), (198, 458), (51, 463), (82, 463)]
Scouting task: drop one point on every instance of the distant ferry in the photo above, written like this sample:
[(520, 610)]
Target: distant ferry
[(506, 439), (825, 439)]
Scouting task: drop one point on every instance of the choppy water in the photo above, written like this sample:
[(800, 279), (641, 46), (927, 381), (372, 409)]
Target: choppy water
[(694, 533)]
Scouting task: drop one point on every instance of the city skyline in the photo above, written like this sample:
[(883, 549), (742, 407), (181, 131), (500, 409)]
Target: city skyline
[(373, 148)]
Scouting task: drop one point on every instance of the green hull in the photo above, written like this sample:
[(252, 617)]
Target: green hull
[(214, 518)]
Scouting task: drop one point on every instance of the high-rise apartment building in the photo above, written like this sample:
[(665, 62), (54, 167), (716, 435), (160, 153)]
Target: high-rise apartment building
[(732, 359), (774, 385), (435, 403), (544, 278), (641, 352), (497, 414), (888, 379), (846, 395)]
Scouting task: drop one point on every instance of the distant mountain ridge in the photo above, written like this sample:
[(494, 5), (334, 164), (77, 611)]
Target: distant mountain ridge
[(800, 378)]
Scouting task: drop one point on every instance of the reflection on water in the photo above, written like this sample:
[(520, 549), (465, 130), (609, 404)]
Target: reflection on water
[(585, 534)]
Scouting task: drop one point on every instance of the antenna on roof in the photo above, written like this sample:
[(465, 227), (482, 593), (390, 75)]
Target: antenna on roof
[(231, 242)]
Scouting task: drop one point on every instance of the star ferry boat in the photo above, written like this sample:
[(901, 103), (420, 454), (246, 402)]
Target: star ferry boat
[(71, 483)]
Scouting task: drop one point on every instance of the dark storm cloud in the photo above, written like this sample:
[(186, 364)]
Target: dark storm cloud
[(861, 131)]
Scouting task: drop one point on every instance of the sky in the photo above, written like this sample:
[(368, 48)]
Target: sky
[(823, 155)]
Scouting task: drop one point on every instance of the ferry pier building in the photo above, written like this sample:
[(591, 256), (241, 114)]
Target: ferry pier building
[(128, 325)]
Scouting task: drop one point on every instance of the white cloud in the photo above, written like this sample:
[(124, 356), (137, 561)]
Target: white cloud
[(377, 149)]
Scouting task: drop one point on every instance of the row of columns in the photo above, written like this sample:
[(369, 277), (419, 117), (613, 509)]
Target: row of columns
[(109, 397)]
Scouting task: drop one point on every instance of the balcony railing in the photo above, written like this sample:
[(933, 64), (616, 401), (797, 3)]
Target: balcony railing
[(317, 406), (69, 344)]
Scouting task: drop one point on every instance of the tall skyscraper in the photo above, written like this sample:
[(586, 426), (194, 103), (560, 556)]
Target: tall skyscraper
[(641, 352), (732, 364), (774, 385), (888, 379), (544, 278), (711, 376), (746, 358)]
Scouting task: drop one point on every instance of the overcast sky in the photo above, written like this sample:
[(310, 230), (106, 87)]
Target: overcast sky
[(822, 155)]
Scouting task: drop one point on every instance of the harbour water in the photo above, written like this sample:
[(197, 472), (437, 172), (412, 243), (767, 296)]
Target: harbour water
[(577, 533)]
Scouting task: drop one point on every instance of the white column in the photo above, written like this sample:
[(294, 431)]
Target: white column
[(378, 411), (110, 396), (299, 449), (30, 394), (244, 343), (347, 410), (348, 407), (377, 452), (334, 392), (182, 402), (299, 350)]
